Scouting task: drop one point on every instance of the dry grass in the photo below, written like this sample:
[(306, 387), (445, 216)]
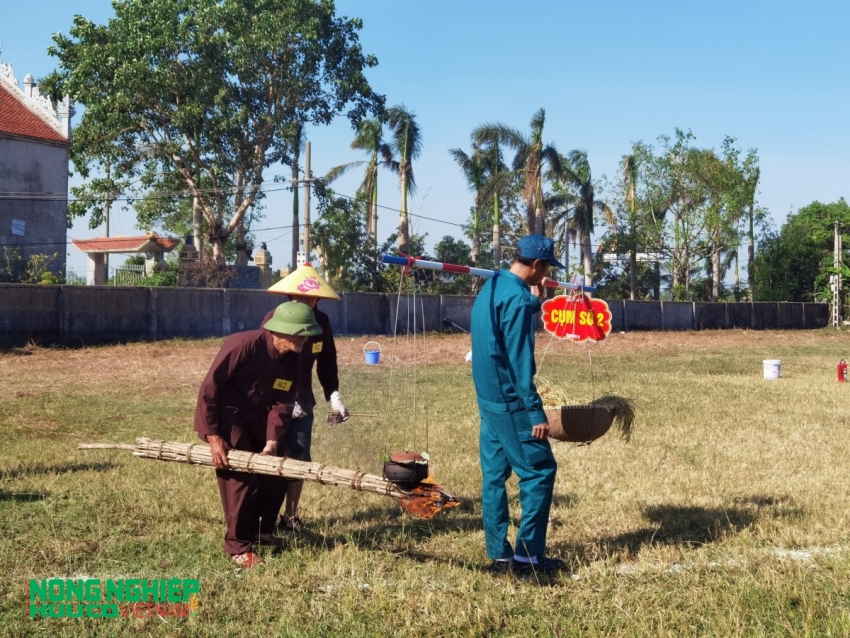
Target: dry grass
[(727, 514)]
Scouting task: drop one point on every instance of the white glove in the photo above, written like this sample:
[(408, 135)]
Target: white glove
[(339, 406), (297, 412)]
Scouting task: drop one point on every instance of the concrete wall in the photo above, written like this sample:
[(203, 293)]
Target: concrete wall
[(88, 315), (34, 169)]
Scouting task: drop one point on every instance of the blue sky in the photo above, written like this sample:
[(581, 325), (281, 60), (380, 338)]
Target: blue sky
[(772, 74)]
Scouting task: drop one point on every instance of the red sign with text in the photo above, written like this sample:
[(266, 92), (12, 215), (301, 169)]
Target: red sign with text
[(577, 318)]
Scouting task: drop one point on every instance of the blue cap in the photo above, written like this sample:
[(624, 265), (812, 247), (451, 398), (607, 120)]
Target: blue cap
[(538, 247)]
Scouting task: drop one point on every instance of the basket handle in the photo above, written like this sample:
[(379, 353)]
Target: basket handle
[(375, 342)]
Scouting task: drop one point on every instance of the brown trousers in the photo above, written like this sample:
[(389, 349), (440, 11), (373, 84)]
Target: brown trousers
[(251, 502)]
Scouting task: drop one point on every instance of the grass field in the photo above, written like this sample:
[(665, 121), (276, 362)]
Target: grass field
[(726, 515)]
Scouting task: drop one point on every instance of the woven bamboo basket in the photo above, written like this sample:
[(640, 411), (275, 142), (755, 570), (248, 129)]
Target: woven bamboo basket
[(579, 423)]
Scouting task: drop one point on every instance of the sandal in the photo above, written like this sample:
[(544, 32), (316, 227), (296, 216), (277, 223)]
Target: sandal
[(246, 560)]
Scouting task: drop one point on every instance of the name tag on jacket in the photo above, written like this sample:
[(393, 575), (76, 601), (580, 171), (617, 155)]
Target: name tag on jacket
[(282, 384), (317, 347)]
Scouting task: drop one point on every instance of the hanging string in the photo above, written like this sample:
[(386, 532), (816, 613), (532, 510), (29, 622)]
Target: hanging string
[(425, 367), (415, 354), (390, 393)]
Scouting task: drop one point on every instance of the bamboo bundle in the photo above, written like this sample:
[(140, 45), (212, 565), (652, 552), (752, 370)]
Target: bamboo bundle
[(425, 500)]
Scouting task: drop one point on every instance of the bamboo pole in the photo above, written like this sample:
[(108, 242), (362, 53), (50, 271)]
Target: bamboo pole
[(424, 500)]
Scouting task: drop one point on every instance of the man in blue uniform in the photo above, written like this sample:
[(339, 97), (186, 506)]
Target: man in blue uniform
[(514, 429)]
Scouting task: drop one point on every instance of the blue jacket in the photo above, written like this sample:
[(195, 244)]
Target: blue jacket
[(503, 365)]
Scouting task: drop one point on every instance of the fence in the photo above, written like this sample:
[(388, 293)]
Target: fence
[(88, 315), (127, 275)]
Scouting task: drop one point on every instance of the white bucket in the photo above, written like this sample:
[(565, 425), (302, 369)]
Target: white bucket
[(772, 368)]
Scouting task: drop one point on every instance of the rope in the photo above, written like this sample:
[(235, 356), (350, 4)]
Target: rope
[(425, 350), (392, 361), (189, 452), (415, 354)]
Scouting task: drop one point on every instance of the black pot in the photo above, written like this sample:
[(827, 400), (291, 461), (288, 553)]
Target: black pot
[(410, 473)]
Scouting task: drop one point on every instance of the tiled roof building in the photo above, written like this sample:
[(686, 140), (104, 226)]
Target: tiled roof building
[(34, 147)]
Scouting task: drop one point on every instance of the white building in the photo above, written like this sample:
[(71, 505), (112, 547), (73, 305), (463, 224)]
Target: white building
[(34, 147)]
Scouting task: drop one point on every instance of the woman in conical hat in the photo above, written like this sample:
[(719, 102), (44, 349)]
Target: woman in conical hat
[(305, 282), (306, 285)]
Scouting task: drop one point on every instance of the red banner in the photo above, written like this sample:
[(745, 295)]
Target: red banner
[(577, 318)]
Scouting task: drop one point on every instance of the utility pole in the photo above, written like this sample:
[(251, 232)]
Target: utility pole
[(106, 220), (308, 179), (836, 279)]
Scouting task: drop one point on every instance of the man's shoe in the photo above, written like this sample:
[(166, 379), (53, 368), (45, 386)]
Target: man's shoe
[(499, 567), (544, 565), (293, 524), (246, 560)]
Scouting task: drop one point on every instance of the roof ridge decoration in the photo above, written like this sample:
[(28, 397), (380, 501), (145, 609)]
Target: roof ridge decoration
[(39, 104)]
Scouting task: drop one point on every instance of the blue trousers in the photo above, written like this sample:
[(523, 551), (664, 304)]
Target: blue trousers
[(506, 445)]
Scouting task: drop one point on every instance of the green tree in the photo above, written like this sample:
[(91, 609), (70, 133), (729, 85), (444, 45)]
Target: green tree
[(207, 90), (407, 142), (795, 264), (576, 194), (532, 158), (629, 167), (369, 138), (344, 247), (474, 168)]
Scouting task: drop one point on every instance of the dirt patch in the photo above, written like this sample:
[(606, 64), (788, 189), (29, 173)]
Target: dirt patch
[(149, 367)]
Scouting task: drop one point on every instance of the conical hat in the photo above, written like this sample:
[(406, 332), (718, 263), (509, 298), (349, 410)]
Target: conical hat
[(305, 281)]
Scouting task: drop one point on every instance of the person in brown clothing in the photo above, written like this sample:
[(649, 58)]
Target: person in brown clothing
[(245, 403), (306, 285)]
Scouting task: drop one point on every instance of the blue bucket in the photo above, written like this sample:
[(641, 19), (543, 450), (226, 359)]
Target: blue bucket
[(373, 357)]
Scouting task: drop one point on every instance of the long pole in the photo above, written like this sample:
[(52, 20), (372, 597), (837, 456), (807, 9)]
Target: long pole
[(836, 279), (106, 220), (308, 176), (469, 270)]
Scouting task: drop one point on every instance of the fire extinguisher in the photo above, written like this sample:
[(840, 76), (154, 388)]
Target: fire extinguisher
[(842, 371)]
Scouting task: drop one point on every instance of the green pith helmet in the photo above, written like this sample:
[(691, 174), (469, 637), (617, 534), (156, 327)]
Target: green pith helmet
[(295, 319)]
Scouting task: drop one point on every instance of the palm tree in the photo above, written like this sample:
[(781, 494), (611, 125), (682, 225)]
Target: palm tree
[(751, 184), (407, 142), (499, 179), (532, 155), (580, 205), (630, 177), (370, 138), (475, 170)]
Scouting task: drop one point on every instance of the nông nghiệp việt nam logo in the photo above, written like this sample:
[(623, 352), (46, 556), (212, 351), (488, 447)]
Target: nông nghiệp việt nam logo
[(116, 598)]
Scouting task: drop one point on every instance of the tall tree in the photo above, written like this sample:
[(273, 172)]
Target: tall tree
[(532, 157), (208, 90), (580, 205), (407, 142), (369, 138), (751, 177), (629, 166), (796, 263), (474, 168)]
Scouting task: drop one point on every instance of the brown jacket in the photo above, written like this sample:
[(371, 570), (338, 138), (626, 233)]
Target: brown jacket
[(250, 388), (320, 349)]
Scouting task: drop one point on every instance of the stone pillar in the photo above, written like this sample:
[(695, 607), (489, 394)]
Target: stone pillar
[(95, 269), (263, 261), (185, 263), (153, 262)]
